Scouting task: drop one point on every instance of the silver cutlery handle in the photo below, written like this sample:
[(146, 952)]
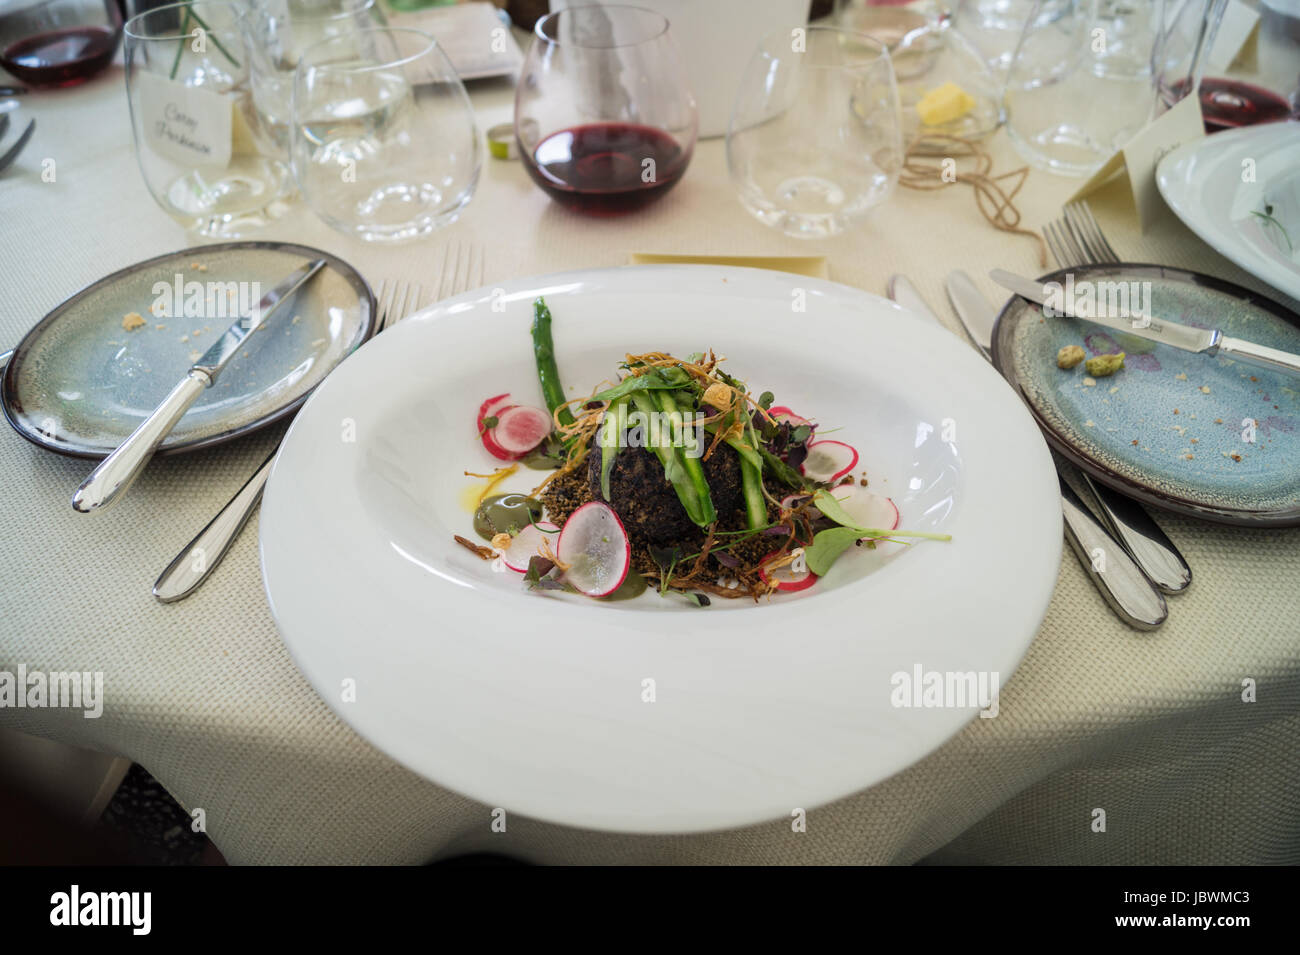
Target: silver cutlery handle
[(116, 472), (202, 555), (1273, 359), (1114, 573), (1130, 524)]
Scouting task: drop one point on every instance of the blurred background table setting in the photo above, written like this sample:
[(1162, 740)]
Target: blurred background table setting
[(279, 203)]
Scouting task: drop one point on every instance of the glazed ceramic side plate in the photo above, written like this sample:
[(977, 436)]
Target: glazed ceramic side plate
[(1204, 436), (1240, 192), (81, 381), (652, 714)]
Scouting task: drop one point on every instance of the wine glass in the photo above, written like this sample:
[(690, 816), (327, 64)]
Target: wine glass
[(277, 36), (383, 144), (815, 140), (604, 115), (1081, 84), (191, 109), (59, 42)]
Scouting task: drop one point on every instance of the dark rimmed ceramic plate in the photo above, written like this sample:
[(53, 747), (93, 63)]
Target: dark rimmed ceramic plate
[(1172, 428), (81, 381)]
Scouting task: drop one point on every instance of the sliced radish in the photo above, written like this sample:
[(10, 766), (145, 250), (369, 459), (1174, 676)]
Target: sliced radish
[(829, 461), (489, 409), (594, 547), (527, 544), (788, 579), (865, 508), (788, 502), (782, 413), (520, 429)]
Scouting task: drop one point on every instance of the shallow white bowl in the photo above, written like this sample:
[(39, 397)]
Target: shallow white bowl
[(537, 704)]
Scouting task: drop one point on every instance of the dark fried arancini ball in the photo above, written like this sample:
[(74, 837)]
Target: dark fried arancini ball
[(645, 500)]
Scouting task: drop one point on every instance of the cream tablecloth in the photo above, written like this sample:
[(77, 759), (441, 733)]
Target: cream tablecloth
[(1150, 727)]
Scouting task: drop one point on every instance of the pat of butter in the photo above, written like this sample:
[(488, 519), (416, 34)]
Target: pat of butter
[(944, 104)]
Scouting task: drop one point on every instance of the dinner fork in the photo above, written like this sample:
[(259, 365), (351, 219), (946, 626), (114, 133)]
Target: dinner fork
[(1076, 239), (191, 567)]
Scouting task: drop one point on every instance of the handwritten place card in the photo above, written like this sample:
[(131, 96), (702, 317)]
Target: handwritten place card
[(189, 125), (1133, 168)]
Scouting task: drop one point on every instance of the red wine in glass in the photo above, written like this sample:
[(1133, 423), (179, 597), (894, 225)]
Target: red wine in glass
[(61, 57), (606, 168), (1227, 104)]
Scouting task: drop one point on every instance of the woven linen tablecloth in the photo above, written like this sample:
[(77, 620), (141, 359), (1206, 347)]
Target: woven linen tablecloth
[(1150, 727)]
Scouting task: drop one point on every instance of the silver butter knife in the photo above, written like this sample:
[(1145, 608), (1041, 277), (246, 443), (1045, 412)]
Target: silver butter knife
[(1207, 341), (1126, 520), (116, 472), (1118, 580)]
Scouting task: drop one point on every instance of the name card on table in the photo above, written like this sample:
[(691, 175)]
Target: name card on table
[(1133, 168), (189, 125)]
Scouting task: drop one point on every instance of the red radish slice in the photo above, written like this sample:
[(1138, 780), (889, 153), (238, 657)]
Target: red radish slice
[(488, 409), (520, 429), (782, 413), (829, 461), (526, 545), (495, 449), (594, 546), (788, 579), (865, 508), (491, 407)]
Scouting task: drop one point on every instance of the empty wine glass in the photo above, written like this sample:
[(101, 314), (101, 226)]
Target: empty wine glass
[(604, 114), (278, 33), (815, 139), (187, 86), (1081, 84), (383, 144)]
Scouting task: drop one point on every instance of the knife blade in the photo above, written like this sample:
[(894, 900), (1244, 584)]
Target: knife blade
[(1126, 520), (117, 471), (1208, 341)]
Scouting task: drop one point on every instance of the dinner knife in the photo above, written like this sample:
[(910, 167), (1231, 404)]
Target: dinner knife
[(1207, 341), (116, 472), (1126, 520), (1119, 581)]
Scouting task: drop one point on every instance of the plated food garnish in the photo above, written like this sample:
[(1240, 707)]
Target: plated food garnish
[(674, 476)]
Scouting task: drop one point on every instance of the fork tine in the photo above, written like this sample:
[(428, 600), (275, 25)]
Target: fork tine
[(450, 261), (412, 303), (384, 300), (1056, 246), (1084, 213)]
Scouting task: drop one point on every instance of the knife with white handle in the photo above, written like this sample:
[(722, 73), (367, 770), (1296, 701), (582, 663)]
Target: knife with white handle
[(1207, 341), (1119, 581), (1126, 520), (116, 472)]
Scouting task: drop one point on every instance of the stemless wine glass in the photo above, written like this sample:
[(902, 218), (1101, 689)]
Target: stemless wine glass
[(278, 33), (59, 42), (383, 143), (187, 85), (1081, 84), (815, 140), (604, 114)]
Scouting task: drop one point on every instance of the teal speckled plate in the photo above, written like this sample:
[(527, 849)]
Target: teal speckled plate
[(80, 382), (1210, 437)]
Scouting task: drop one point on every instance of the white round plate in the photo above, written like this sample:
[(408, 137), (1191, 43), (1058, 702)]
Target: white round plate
[(1205, 182), (652, 715)]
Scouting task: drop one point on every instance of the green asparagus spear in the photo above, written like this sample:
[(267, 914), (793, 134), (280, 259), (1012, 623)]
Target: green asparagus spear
[(611, 435), (673, 469), (694, 470), (548, 373)]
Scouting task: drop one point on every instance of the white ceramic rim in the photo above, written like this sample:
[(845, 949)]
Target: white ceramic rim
[(995, 591)]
